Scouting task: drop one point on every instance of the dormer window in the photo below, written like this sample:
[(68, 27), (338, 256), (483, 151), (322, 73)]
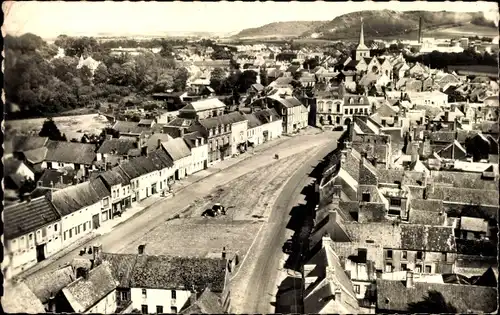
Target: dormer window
[(365, 197), (351, 101)]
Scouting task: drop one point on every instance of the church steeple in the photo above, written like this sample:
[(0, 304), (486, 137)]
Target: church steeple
[(362, 51)]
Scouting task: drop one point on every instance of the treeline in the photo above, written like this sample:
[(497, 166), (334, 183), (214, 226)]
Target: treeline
[(40, 84), (439, 60)]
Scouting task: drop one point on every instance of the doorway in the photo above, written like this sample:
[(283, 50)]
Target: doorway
[(176, 176), (40, 252), (95, 221)]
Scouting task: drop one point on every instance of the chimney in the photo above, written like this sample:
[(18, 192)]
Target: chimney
[(429, 188), (140, 249), (144, 151), (96, 252), (414, 152), (181, 130), (52, 304), (338, 295), (159, 143), (409, 279), (49, 195), (224, 252), (193, 296)]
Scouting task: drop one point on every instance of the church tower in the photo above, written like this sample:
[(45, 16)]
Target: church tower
[(362, 51)]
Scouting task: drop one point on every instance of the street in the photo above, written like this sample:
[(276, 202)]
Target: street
[(139, 225), (254, 288)]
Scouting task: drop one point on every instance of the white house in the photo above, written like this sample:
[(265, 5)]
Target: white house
[(254, 131), (179, 152), (199, 151), (271, 124), (429, 98), (80, 208), (32, 232), (239, 126), (118, 184), (62, 154)]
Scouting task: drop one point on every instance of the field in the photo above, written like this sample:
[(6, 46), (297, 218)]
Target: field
[(252, 197), (92, 123)]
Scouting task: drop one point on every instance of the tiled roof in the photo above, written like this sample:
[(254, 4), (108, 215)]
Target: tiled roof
[(162, 272), (463, 180), (85, 293), (181, 122), (264, 116), (382, 234), (226, 119), (122, 266), (24, 143), (426, 205), (18, 298), (128, 127), (464, 195), (56, 176), (393, 295), (100, 188), (207, 303), (386, 111), (257, 86), (112, 178), (36, 156), (137, 167), (191, 137), (74, 198), (121, 146), (70, 152), (203, 105), (152, 142), (26, 217), (428, 238), (160, 160), (48, 284), (390, 176), (253, 121), (176, 148)]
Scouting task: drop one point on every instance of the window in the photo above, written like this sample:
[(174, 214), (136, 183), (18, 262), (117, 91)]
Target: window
[(173, 310), (350, 111), (346, 111), (79, 228), (396, 202), (144, 293), (65, 234), (366, 197), (84, 226), (404, 267), (123, 296), (123, 191), (418, 268), (174, 295), (55, 227), (404, 255), (338, 108), (159, 309), (356, 288), (105, 202), (388, 267), (144, 309), (389, 253), (31, 237), (420, 255), (70, 233), (428, 269)]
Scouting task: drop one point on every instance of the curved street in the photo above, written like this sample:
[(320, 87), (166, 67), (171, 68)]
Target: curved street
[(254, 288)]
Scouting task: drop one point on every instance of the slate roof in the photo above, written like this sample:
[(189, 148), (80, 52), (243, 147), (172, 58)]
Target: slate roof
[(85, 293), (207, 303), (191, 137), (226, 119), (264, 116), (427, 238), (18, 298), (203, 105), (36, 156), (152, 142), (253, 121), (128, 127), (48, 284), (163, 272), (463, 180), (11, 165), (74, 198), (287, 102), (122, 146), (100, 188), (358, 100), (137, 167), (176, 148), (393, 295), (24, 143), (25, 217), (70, 152), (386, 111)]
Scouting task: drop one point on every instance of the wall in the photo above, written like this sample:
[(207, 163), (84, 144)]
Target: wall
[(143, 184), (105, 306), (23, 249), (433, 259), (78, 219), (158, 297), (57, 165), (274, 129), (238, 135), (199, 157), (184, 166), (255, 135)]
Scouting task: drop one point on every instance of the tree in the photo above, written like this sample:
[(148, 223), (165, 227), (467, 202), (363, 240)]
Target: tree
[(264, 80), (217, 78), (166, 48), (434, 303), (311, 63), (165, 81), (246, 80), (101, 74), (221, 54), (50, 130), (180, 79)]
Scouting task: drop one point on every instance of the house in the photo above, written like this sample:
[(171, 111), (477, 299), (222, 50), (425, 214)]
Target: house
[(329, 106), (22, 144), (239, 128), (454, 151), (16, 172), (207, 302), (395, 296), (93, 292), (80, 207), (70, 154), (355, 104), (271, 124), (203, 109), (219, 135), (179, 152), (112, 151), (293, 113), (327, 288), (32, 232), (18, 298), (473, 228), (58, 179), (199, 151), (429, 98), (129, 129), (254, 132), (178, 127), (119, 187), (174, 100)]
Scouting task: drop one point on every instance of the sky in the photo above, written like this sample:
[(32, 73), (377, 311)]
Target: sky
[(50, 19)]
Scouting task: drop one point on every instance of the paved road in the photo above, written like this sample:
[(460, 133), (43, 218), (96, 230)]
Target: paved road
[(260, 281), (139, 225)]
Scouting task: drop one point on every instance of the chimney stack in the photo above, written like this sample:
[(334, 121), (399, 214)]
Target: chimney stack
[(409, 279), (414, 152), (193, 296), (338, 295), (159, 143), (140, 249), (49, 195), (224, 252)]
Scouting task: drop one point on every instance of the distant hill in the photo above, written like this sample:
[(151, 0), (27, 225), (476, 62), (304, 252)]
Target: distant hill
[(279, 29), (388, 23)]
